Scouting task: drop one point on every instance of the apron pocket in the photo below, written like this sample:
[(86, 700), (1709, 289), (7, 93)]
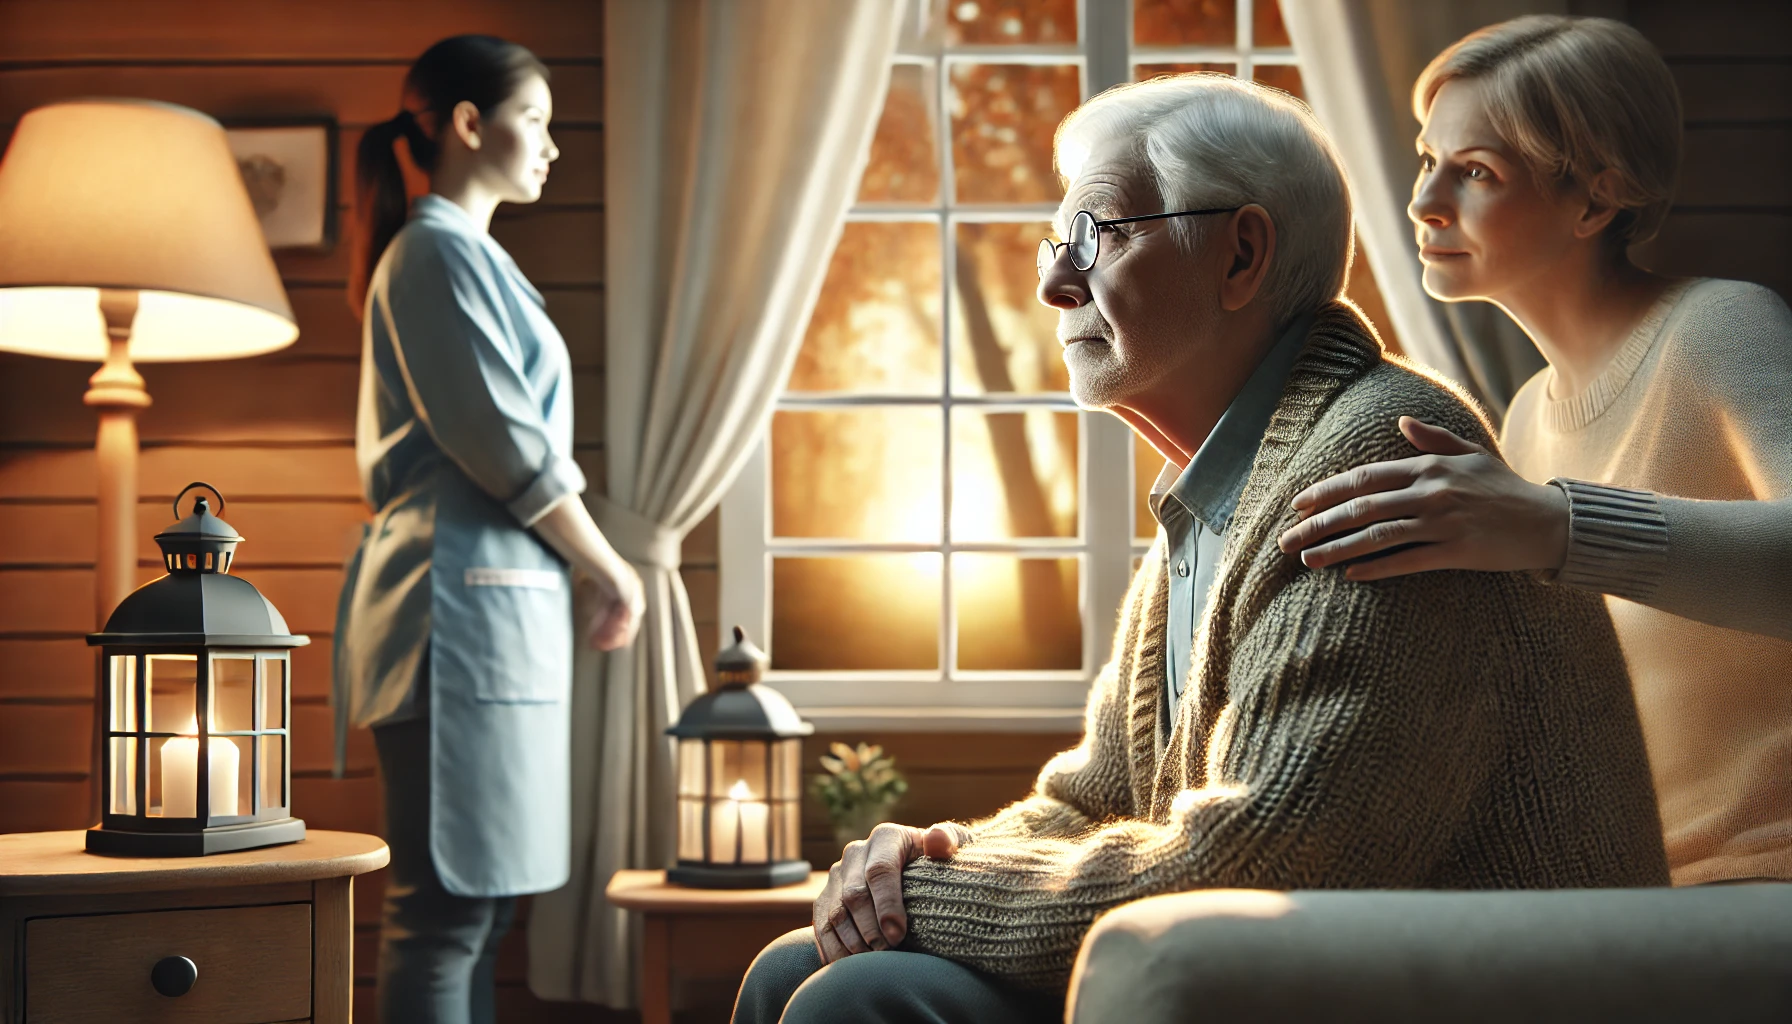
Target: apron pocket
[(526, 610)]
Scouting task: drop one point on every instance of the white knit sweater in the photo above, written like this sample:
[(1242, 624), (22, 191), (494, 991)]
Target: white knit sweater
[(1689, 534)]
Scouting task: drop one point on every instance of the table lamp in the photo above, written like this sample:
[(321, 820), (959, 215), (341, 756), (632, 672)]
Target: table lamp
[(126, 235)]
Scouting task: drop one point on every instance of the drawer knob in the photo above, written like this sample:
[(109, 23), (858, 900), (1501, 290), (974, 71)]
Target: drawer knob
[(174, 975)]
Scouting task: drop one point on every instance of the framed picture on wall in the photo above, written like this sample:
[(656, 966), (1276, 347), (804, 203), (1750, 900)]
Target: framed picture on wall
[(289, 168)]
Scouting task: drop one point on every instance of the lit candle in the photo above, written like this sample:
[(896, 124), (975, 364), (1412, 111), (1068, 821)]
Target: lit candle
[(752, 816), (724, 831), (180, 775)]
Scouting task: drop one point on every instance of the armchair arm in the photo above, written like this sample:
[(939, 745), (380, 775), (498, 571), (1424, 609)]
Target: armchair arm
[(1636, 955)]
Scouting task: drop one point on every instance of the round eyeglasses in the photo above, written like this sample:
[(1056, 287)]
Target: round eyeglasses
[(1085, 237)]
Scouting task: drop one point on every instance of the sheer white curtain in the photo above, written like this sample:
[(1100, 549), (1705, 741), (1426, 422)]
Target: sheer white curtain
[(1359, 59), (735, 135)]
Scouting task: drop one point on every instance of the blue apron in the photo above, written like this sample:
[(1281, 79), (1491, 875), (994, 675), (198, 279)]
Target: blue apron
[(453, 609)]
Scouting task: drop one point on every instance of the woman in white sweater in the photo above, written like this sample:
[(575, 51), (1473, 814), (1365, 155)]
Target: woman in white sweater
[(1651, 461)]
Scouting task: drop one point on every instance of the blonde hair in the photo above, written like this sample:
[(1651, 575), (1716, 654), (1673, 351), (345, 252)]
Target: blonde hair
[(1211, 140), (1576, 97)]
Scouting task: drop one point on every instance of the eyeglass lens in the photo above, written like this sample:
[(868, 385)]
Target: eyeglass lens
[(1084, 245)]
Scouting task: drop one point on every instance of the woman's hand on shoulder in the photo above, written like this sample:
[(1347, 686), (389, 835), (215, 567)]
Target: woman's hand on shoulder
[(1454, 507)]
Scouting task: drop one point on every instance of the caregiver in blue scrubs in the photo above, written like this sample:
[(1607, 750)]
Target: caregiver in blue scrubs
[(454, 639)]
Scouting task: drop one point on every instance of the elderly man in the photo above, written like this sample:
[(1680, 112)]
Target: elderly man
[(1261, 724)]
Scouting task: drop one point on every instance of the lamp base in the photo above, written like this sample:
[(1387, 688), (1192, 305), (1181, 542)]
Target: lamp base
[(739, 876), (223, 839)]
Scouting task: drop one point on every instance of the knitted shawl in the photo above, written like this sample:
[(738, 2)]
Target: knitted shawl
[(1444, 730)]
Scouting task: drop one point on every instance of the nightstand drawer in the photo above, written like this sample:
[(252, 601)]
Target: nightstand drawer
[(254, 965)]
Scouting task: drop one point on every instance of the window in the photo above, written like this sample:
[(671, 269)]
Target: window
[(932, 534)]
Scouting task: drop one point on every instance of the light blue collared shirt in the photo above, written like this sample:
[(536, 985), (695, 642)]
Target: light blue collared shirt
[(1195, 506)]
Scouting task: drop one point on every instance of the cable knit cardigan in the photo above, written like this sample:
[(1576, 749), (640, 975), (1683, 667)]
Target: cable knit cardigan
[(1448, 730)]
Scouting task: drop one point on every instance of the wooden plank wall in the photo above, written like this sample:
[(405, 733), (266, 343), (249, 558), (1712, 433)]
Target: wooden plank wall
[(1732, 60)]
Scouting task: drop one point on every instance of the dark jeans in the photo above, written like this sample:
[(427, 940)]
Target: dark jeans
[(787, 983), (438, 951)]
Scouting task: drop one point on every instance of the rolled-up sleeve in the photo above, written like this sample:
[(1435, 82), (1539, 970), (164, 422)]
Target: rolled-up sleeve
[(463, 370)]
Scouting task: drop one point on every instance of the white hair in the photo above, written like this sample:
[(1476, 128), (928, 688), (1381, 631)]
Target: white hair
[(1211, 140)]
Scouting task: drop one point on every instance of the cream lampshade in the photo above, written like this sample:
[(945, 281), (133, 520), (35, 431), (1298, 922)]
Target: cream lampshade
[(126, 235)]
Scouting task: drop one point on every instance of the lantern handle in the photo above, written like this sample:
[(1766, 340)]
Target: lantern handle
[(199, 483)]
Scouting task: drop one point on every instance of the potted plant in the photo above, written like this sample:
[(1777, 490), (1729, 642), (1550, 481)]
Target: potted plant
[(858, 790)]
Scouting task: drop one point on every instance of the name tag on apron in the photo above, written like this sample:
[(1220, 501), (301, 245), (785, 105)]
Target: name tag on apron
[(532, 579)]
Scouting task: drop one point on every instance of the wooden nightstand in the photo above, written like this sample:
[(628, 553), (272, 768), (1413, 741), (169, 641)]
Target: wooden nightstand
[(704, 932), (269, 931)]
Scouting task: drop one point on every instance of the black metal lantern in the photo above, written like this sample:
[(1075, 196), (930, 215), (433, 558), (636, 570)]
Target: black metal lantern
[(740, 757), (197, 674)]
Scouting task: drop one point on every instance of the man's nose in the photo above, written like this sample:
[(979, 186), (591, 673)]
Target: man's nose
[(1063, 286)]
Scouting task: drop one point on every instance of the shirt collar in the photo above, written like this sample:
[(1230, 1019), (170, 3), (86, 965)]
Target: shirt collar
[(444, 210), (1210, 487)]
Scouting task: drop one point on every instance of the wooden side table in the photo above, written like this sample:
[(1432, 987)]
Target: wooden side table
[(258, 936), (697, 932)]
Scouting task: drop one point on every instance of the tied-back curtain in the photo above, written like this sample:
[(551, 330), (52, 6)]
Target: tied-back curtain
[(735, 133), (1359, 59)]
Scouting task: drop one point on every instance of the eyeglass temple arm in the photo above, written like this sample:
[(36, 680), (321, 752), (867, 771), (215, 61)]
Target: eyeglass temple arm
[(1161, 216)]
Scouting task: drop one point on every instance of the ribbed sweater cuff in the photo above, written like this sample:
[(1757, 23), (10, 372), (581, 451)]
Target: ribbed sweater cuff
[(1617, 540)]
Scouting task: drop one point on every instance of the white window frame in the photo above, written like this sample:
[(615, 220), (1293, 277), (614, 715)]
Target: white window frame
[(948, 698)]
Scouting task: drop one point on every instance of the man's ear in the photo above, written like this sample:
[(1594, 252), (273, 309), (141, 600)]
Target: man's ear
[(466, 123), (1601, 207), (1249, 245)]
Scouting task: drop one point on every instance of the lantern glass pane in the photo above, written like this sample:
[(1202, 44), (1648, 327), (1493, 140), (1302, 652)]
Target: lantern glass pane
[(124, 775), (755, 771), (233, 695), (233, 783), (724, 832), (173, 685), (690, 768), (124, 696), (787, 770), (273, 771), (173, 777), (724, 767), (273, 693), (789, 829), (690, 829)]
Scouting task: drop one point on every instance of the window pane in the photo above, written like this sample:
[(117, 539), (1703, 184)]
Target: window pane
[(857, 474), (1285, 77), (1185, 22), (1146, 464), (1003, 119), (1017, 613), (1013, 475), (1266, 25), (233, 694), (1010, 21), (876, 325), (1143, 72), (1003, 338), (904, 165), (859, 612)]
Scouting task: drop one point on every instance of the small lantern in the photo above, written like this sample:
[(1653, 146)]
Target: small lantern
[(197, 673), (740, 759)]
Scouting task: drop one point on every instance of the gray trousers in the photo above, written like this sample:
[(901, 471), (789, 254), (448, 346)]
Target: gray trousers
[(788, 983), (438, 951)]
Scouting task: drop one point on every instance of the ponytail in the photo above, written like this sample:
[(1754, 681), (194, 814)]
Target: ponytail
[(482, 70)]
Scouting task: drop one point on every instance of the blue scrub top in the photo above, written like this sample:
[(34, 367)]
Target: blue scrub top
[(454, 609)]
